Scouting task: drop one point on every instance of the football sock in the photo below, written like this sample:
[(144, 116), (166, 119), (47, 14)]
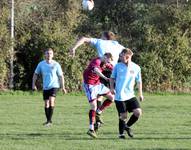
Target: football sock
[(92, 114), (132, 120), (51, 110), (91, 127), (46, 113), (121, 126), (98, 111), (105, 104)]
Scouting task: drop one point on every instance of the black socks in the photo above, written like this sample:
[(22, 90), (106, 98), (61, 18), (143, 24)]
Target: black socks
[(49, 112), (132, 120), (121, 126)]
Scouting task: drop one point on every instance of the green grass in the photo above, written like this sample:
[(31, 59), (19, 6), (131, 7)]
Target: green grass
[(165, 124)]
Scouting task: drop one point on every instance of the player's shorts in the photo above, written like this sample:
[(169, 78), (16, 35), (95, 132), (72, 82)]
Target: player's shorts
[(128, 105), (93, 91), (49, 93)]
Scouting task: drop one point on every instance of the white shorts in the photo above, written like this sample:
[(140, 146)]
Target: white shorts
[(93, 91)]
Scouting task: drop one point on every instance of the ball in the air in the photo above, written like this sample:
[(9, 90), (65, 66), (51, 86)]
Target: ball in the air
[(87, 5)]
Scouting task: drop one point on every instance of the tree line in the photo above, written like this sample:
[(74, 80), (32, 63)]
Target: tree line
[(158, 32)]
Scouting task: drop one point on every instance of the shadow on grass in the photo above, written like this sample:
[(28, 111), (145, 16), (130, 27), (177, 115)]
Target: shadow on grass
[(79, 136), (160, 149), (63, 136)]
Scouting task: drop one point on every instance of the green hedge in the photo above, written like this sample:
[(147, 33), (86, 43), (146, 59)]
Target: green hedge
[(159, 34)]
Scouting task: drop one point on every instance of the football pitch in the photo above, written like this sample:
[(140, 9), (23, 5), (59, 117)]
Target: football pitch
[(165, 124)]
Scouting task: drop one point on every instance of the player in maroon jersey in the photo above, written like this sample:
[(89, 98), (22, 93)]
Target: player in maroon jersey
[(94, 88)]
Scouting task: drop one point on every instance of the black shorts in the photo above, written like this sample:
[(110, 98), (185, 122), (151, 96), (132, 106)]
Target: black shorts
[(128, 105), (49, 93)]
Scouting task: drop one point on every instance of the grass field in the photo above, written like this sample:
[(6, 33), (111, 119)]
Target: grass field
[(165, 124)]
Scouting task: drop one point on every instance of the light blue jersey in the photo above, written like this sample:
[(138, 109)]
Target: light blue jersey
[(125, 78), (107, 46), (50, 74)]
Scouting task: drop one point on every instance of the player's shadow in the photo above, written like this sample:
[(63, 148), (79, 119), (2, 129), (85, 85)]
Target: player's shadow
[(161, 149), (64, 136), (84, 136), (162, 138)]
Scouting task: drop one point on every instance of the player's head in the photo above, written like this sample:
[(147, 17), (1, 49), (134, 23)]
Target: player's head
[(49, 54), (108, 35), (108, 57), (125, 55)]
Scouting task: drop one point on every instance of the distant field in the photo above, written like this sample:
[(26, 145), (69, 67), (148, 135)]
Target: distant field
[(165, 125)]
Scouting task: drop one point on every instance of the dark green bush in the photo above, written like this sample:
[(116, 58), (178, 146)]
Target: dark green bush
[(158, 32)]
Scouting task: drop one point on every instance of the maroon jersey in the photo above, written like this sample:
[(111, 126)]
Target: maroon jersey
[(90, 77)]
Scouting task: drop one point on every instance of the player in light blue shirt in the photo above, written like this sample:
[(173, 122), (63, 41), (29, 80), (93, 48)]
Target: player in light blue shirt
[(53, 78), (50, 74), (125, 74), (106, 44)]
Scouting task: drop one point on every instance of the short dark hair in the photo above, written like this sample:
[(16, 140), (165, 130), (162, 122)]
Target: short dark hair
[(108, 55), (109, 35), (48, 49)]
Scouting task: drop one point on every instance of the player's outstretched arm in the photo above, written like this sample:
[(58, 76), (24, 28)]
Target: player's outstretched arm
[(79, 43), (35, 76)]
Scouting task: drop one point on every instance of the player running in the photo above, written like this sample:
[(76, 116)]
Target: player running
[(125, 74)]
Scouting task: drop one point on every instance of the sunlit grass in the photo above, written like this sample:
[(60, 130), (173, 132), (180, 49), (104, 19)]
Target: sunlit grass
[(165, 124)]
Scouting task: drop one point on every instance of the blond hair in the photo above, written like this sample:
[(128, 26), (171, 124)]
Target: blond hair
[(127, 51)]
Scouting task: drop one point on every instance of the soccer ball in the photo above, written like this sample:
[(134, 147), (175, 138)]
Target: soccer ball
[(87, 4)]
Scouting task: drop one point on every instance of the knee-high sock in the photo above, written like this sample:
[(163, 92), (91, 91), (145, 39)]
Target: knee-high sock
[(51, 110), (105, 104), (121, 126), (46, 110), (132, 120), (92, 114)]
